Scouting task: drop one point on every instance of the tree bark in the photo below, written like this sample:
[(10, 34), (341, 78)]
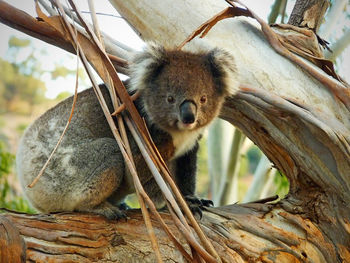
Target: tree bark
[(307, 13), (240, 233), (12, 246), (297, 122)]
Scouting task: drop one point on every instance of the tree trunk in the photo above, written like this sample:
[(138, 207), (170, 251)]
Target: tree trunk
[(295, 120), (306, 13)]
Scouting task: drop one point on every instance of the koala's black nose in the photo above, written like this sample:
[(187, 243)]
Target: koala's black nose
[(188, 112)]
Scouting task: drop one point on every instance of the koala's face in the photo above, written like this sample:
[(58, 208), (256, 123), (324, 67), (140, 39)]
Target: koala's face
[(181, 90)]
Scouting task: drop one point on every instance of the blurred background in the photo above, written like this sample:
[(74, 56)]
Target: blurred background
[(35, 76)]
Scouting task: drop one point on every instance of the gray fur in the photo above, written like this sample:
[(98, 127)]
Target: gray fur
[(87, 172)]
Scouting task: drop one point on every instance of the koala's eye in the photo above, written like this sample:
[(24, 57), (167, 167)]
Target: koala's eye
[(170, 99), (203, 99)]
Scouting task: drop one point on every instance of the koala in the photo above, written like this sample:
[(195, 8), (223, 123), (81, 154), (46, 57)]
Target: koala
[(181, 92)]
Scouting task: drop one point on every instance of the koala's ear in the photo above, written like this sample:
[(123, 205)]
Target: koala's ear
[(223, 68), (146, 65)]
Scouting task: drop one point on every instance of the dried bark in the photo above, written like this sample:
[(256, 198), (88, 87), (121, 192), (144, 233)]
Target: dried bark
[(307, 13), (12, 246)]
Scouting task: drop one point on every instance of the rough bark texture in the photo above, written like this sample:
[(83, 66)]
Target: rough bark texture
[(307, 13), (12, 246), (297, 122), (240, 233)]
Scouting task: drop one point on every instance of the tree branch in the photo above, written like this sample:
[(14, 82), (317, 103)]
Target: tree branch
[(91, 238)]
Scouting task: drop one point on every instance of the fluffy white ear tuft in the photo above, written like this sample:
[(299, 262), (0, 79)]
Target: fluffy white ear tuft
[(224, 70), (145, 65)]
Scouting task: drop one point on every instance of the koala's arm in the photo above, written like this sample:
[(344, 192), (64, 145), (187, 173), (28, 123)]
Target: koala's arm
[(186, 170)]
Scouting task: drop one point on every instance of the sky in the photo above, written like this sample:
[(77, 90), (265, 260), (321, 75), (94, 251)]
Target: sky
[(115, 27)]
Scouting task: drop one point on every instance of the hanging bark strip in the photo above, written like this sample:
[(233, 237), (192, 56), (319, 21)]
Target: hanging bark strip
[(205, 27), (115, 101), (65, 128), (142, 129)]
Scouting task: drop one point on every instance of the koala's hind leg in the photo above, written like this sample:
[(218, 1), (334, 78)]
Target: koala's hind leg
[(102, 165)]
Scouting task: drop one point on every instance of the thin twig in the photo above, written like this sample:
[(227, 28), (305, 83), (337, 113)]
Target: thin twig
[(108, 39), (191, 239), (122, 106), (102, 14), (64, 130), (171, 199), (265, 200)]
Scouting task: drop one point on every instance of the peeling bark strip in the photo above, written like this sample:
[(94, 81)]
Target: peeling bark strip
[(308, 13)]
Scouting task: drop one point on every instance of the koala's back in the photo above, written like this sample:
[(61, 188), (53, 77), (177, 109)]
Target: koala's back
[(65, 172), (87, 167)]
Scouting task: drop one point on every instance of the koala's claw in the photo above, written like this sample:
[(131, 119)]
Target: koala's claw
[(196, 210), (123, 206), (109, 211), (196, 205), (118, 214), (207, 202)]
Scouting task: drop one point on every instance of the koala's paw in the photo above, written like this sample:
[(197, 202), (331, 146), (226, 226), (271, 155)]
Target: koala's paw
[(115, 214), (123, 206), (110, 211), (196, 205)]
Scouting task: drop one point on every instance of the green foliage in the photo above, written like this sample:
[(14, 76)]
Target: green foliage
[(8, 199), (6, 160), (282, 184), (21, 127), (202, 177), (18, 42), (18, 91), (21, 86), (278, 9), (244, 166), (61, 71), (63, 95)]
